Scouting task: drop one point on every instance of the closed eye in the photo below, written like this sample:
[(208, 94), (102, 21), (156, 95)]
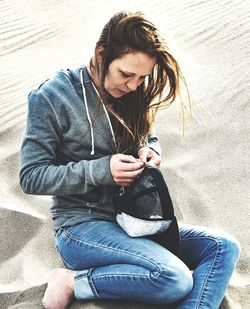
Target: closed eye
[(130, 75), (125, 75)]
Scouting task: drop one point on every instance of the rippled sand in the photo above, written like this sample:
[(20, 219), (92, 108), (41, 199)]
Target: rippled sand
[(208, 174)]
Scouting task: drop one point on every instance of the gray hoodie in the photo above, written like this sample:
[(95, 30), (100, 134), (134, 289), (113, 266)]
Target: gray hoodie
[(67, 148)]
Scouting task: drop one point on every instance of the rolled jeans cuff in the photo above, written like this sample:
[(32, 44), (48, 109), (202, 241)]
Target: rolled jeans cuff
[(84, 288)]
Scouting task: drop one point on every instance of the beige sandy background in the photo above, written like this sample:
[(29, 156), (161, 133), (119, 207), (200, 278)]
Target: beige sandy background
[(208, 173)]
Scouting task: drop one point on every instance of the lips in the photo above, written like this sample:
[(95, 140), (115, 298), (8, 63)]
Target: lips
[(124, 92)]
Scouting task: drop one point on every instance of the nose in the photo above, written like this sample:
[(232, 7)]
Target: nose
[(133, 84)]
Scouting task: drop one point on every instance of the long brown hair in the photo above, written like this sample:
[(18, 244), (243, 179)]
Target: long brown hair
[(134, 113)]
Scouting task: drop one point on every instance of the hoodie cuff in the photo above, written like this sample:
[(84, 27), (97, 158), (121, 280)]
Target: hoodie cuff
[(99, 172)]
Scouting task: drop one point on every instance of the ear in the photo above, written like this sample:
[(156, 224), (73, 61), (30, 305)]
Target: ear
[(99, 51)]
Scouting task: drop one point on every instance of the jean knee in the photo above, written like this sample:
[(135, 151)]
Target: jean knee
[(231, 246), (182, 282), (175, 282)]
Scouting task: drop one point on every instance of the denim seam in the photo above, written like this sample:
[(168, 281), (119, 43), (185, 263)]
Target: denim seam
[(80, 276), (200, 237), (211, 270), (114, 249), (68, 265), (91, 284), (121, 275)]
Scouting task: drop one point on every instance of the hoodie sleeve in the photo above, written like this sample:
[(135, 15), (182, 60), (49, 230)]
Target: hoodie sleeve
[(40, 172)]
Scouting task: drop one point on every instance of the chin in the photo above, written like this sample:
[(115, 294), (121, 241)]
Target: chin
[(117, 94)]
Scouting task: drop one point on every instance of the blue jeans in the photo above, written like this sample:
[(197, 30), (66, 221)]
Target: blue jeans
[(112, 265)]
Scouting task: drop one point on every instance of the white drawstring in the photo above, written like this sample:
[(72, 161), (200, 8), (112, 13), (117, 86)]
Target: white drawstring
[(88, 116), (107, 115)]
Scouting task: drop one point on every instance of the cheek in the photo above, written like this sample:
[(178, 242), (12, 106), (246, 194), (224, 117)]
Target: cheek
[(141, 82), (107, 83), (112, 82), (110, 85)]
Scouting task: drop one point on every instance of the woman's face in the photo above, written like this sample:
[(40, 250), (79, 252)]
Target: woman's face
[(127, 73)]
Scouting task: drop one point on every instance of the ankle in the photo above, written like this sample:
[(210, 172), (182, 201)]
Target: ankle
[(60, 291)]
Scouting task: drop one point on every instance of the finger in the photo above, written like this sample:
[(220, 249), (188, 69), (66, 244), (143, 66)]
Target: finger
[(143, 154), (131, 174), (153, 163), (125, 180), (127, 158), (124, 183), (130, 167), (127, 177)]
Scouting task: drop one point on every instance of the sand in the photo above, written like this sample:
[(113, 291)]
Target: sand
[(208, 172)]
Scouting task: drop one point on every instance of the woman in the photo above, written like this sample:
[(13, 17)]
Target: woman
[(90, 129)]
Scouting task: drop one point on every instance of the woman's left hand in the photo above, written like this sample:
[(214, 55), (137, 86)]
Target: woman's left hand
[(148, 155)]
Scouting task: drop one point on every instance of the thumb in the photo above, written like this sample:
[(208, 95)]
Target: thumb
[(143, 154)]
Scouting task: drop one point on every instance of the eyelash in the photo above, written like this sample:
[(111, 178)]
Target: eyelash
[(125, 75)]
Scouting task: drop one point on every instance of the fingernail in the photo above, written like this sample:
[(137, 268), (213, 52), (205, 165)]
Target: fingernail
[(150, 164)]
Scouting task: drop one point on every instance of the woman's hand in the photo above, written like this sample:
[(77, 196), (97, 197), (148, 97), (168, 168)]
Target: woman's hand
[(125, 169), (149, 156)]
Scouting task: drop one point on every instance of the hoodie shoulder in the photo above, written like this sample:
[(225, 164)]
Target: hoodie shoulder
[(62, 79), (63, 83), (73, 73)]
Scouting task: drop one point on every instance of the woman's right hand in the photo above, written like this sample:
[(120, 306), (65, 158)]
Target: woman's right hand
[(125, 169)]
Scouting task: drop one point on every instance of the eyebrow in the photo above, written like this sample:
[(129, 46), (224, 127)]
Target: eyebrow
[(131, 74)]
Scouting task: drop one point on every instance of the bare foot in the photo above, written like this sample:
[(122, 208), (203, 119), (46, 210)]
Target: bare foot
[(60, 290)]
